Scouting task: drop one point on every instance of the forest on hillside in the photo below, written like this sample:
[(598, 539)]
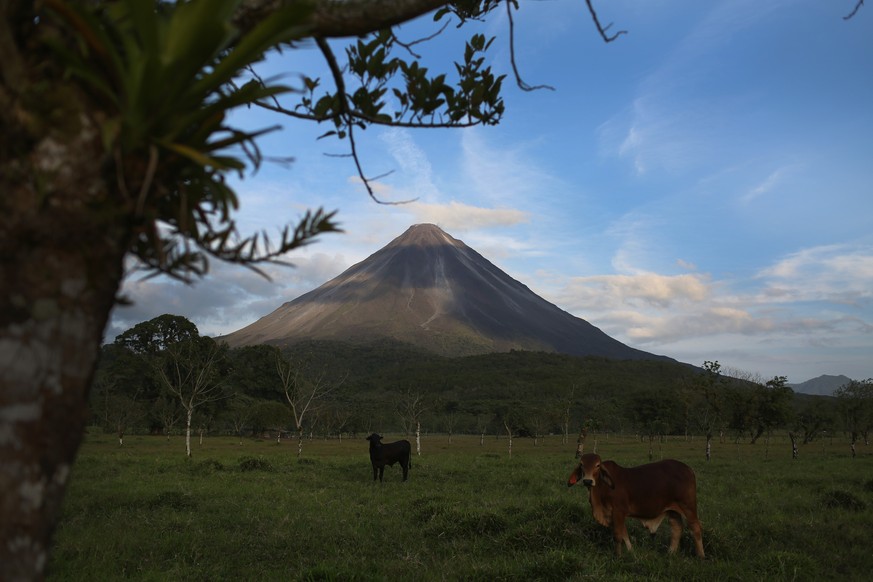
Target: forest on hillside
[(163, 377)]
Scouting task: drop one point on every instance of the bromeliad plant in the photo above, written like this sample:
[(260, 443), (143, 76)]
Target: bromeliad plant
[(167, 74)]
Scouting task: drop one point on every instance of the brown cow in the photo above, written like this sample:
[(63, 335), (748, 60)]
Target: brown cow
[(648, 493)]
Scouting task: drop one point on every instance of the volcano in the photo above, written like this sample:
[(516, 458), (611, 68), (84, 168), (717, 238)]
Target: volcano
[(431, 290)]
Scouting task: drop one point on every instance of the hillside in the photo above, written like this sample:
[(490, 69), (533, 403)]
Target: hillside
[(373, 369), (822, 385)]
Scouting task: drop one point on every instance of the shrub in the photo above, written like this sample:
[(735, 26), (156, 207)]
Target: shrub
[(842, 500), (175, 500), (255, 464)]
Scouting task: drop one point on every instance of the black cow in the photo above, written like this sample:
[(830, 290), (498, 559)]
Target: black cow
[(388, 454)]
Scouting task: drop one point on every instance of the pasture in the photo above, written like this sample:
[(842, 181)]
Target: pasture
[(468, 512)]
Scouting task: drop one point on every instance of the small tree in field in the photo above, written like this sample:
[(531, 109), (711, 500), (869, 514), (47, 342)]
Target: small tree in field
[(191, 371), (167, 412), (772, 406), (304, 390), (238, 413), (712, 407), (856, 408), (410, 408)]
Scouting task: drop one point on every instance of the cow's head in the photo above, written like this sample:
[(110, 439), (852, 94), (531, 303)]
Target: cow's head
[(375, 440), (590, 471)]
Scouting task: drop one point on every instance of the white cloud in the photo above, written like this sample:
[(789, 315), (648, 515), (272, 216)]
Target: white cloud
[(414, 171), (502, 175), (766, 186), (834, 273)]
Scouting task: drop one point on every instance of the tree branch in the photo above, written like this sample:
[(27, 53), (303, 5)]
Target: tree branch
[(521, 84), (854, 11), (337, 74), (602, 29), (341, 18)]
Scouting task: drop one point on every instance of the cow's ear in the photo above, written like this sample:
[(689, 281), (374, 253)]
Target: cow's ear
[(607, 478)]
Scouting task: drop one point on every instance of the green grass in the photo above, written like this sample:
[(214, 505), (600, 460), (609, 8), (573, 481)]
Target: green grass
[(253, 512)]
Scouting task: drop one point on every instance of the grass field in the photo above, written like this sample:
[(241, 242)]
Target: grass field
[(468, 512)]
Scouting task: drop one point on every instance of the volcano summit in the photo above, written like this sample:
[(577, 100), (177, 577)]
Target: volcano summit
[(431, 290)]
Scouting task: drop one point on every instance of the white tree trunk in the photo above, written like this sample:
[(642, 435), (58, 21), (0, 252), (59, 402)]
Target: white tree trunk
[(299, 441), (188, 416), (418, 438)]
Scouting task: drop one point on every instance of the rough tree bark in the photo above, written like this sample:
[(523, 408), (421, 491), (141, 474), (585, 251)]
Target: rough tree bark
[(62, 245)]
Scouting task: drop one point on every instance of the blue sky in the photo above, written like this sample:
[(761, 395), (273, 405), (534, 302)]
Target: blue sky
[(700, 188)]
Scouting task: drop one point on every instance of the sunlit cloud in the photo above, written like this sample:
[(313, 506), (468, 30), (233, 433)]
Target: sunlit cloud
[(457, 216), (620, 291), (807, 300)]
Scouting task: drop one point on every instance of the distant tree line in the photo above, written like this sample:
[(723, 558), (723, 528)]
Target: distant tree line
[(162, 377)]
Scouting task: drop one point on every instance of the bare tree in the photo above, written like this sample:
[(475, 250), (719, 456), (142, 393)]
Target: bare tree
[(565, 403), (239, 413), (168, 413), (304, 389), (508, 429), (190, 371), (410, 408), (117, 410), (342, 417)]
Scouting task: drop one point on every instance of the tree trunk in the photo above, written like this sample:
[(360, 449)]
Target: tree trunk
[(580, 442), (708, 446), (418, 438), (299, 442), (793, 445), (61, 253), (189, 413), (758, 432)]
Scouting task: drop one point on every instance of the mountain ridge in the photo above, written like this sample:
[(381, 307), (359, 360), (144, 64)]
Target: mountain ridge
[(823, 385)]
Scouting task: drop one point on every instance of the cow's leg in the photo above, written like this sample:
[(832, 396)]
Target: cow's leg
[(697, 531), (619, 534), (381, 472), (675, 530), (690, 513), (405, 466), (375, 472)]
